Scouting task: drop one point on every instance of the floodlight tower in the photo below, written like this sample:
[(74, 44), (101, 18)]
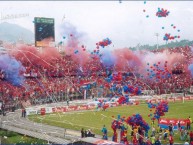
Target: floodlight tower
[(157, 35), (138, 46)]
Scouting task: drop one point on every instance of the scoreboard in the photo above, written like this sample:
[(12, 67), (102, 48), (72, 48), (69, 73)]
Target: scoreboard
[(44, 31)]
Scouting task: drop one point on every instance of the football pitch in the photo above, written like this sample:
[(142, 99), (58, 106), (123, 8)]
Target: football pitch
[(96, 119)]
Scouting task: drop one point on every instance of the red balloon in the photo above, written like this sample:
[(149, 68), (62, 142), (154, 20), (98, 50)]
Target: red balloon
[(143, 10)]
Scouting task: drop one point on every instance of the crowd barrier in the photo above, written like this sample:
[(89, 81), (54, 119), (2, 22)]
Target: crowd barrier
[(171, 99), (48, 110)]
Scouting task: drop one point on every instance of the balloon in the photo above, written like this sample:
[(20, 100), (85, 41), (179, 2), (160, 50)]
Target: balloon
[(167, 37), (137, 120), (161, 107), (76, 51), (162, 13), (104, 42), (147, 16)]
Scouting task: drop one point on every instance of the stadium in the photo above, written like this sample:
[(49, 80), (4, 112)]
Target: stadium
[(57, 86)]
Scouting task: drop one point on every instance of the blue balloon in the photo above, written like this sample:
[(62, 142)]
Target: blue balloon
[(76, 51)]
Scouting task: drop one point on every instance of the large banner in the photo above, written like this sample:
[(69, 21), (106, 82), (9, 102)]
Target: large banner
[(164, 123)]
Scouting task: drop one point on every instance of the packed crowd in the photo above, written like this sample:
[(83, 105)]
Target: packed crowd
[(67, 78), (158, 135)]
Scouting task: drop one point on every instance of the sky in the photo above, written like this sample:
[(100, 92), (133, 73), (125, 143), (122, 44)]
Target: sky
[(124, 23)]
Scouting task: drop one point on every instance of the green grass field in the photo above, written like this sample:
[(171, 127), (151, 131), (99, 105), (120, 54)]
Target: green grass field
[(15, 138), (96, 119)]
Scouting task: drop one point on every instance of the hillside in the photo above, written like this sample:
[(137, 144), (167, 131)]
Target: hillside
[(12, 33)]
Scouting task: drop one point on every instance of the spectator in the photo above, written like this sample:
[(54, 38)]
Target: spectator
[(190, 121), (182, 134), (135, 141), (82, 133), (191, 136), (152, 138), (85, 133), (170, 127), (152, 123), (191, 143), (24, 113), (188, 124), (90, 133), (159, 129), (165, 134), (157, 142), (67, 102), (179, 126), (132, 134), (171, 139), (153, 131), (104, 130), (186, 143)]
